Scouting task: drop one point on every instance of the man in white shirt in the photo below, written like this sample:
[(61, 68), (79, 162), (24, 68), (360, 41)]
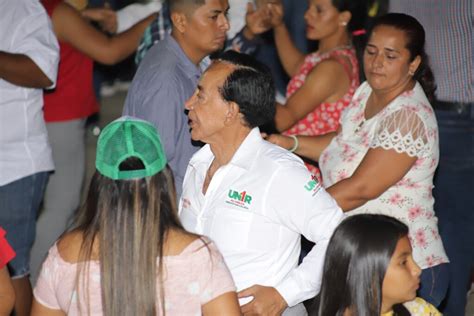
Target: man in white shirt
[(254, 199), (29, 56)]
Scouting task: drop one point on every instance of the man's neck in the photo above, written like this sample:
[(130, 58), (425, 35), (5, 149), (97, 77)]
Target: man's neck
[(226, 147), (194, 56)]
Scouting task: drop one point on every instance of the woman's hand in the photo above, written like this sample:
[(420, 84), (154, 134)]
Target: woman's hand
[(309, 147), (107, 18), (276, 13), (257, 21), (280, 140)]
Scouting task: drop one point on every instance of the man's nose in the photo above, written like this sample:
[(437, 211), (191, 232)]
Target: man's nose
[(188, 105), (224, 23)]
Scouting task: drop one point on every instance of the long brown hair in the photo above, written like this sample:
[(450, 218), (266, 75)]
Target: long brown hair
[(128, 220)]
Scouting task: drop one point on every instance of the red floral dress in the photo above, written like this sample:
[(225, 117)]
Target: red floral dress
[(325, 116)]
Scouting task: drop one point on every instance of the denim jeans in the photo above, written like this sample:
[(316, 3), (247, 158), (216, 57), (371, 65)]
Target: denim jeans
[(19, 204), (434, 284), (454, 202)]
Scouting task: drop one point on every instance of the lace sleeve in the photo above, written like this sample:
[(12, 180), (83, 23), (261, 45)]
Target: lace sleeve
[(402, 131)]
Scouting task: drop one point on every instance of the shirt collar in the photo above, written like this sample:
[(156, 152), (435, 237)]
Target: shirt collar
[(190, 69), (243, 158)]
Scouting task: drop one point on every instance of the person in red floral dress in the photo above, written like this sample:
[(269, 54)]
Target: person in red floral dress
[(324, 81)]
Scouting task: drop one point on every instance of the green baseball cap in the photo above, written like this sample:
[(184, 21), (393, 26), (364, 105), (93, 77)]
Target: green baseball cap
[(129, 137)]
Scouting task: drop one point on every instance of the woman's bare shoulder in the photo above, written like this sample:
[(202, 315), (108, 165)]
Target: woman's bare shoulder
[(69, 246), (177, 240)]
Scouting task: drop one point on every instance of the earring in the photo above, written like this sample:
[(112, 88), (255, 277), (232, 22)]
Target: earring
[(411, 73), (344, 23)]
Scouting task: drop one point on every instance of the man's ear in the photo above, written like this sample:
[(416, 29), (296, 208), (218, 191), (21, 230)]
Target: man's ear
[(179, 21), (233, 113)]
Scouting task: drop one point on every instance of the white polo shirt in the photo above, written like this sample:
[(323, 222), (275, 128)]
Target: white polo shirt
[(255, 209), (25, 28)]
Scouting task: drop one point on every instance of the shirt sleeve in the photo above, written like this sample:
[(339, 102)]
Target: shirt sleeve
[(35, 39), (403, 131), (162, 104), (305, 207), (215, 276), (133, 13), (44, 291), (6, 251)]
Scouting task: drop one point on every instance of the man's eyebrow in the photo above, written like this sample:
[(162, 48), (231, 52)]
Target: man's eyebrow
[(393, 50)]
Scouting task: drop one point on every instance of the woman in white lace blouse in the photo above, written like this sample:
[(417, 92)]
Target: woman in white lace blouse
[(383, 157)]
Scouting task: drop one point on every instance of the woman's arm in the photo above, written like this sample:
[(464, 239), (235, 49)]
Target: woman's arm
[(40, 310), (328, 80), (225, 304), (72, 28), (291, 58), (379, 170), (308, 146)]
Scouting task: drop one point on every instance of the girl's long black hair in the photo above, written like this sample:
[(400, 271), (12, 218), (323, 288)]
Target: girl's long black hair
[(357, 258)]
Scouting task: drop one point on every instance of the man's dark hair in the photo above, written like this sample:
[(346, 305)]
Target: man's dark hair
[(173, 4), (250, 86)]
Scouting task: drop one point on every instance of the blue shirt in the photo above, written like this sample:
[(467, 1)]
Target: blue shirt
[(165, 79)]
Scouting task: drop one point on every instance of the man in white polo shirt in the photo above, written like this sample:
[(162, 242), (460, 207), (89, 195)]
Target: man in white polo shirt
[(254, 199), (29, 56)]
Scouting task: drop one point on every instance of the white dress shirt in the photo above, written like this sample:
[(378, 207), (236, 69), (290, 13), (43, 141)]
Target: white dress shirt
[(25, 28), (255, 209), (134, 13)]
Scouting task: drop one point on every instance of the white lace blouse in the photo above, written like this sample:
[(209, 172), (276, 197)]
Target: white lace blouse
[(406, 125)]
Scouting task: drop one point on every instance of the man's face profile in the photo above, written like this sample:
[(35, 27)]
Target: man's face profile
[(207, 109)]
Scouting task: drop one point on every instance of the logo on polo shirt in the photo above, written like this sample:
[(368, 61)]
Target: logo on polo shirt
[(313, 185), (241, 199)]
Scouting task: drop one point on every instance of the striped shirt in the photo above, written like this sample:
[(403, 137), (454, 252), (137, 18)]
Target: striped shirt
[(155, 32), (449, 27)]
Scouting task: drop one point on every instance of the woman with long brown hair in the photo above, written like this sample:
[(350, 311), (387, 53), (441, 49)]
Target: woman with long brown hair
[(127, 253)]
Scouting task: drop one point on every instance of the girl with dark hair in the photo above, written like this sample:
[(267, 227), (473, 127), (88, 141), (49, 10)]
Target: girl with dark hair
[(369, 270), (384, 156), (127, 253), (324, 81)]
